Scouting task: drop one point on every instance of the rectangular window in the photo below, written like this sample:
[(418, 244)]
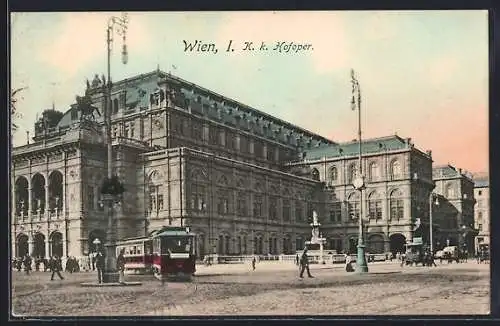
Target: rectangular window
[(397, 210), (257, 206), (375, 209), (273, 208), (480, 227), (286, 210), (90, 197), (132, 129), (336, 213), (198, 198), (353, 209), (213, 136), (299, 217), (242, 204)]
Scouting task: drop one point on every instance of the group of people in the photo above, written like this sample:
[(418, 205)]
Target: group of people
[(55, 265)]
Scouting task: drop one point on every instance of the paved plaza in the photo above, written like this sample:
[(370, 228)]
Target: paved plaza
[(272, 289)]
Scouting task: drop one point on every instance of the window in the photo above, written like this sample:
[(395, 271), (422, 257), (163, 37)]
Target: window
[(480, 192), (115, 131), (257, 149), (213, 136), (241, 204), (198, 203), (90, 197), (374, 207), (373, 172), (351, 173), (155, 199), (132, 123), (480, 227), (257, 206), (396, 205), (273, 208), (299, 243), (229, 140), (315, 174), (395, 169), (450, 191), (244, 145), (270, 153), (336, 213), (223, 202), (333, 174), (298, 212), (480, 203), (197, 131), (125, 130), (286, 210), (353, 207), (115, 106)]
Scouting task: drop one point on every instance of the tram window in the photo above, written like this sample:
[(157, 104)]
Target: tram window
[(139, 250), (177, 245), (134, 250)]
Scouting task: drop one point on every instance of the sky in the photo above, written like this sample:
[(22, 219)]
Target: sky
[(423, 74)]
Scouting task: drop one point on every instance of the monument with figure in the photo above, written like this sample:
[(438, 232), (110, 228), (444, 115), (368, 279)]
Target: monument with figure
[(317, 237)]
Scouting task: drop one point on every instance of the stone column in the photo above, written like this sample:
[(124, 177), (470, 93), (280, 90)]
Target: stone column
[(30, 200), (30, 244), (47, 205), (64, 242), (14, 203), (47, 246), (64, 190)]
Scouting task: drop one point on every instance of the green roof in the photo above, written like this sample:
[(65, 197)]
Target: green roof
[(368, 146)]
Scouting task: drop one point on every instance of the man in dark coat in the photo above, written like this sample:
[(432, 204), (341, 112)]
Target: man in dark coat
[(304, 264), (99, 264), (27, 264), (56, 267)]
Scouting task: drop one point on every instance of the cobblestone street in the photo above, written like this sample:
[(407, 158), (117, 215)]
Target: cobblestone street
[(273, 289)]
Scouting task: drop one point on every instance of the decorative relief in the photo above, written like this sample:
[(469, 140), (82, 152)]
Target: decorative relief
[(70, 154), (22, 163), (38, 160), (223, 180), (55, 157)]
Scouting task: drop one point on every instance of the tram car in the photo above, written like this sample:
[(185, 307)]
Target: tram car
[(174, 254), (138, 254)]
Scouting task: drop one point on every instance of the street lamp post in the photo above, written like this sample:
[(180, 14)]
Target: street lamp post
[(432, 197), (112, 188), (359, 182)]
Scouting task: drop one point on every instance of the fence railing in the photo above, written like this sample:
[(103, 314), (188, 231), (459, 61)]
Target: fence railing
[(313, 258)]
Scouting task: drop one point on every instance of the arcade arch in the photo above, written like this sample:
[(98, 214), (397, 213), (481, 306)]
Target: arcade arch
[(22, 247), (22, 196), (56, 241), (397, 243)]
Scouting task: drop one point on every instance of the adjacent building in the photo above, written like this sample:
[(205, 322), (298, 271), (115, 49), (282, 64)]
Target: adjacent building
[(482, 209), (244, 181), (454, 207)]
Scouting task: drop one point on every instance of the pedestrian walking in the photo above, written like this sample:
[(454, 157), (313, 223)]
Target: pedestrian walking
[(253, 262), (120, 263), (304, 264), (297, 259), (93, 257), (27, 264), (56, 267), (99, 265), (348, 263)]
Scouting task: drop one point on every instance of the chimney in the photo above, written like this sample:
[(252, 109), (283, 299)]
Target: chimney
[(429, 152), (460, 170)]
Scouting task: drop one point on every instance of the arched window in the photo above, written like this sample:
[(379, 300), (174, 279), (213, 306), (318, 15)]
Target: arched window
[(450, 191), (315, 174), (373, 172), (115, 106), (353, 205), (333, 174), (351, 173), (374, 206), (395, 169), (480, 217), (396, 203)]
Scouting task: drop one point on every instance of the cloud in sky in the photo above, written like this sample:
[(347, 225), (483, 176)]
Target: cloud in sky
[(424, 75)]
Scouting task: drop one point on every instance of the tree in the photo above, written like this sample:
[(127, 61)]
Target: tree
[(50, 118), (15, 114)]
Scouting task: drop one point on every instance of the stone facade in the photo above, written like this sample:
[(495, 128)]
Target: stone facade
[(245, 182), (455, 207), (482, 210)]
